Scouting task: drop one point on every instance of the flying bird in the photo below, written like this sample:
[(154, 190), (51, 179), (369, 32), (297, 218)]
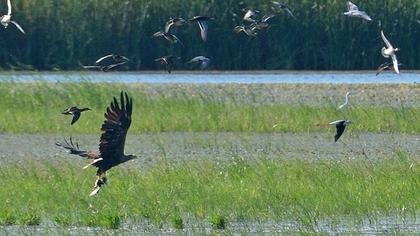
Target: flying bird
[(353, 10), (108, 63), (168, 36), (263, 23), (340, 126), (112, 141), (5, 20), (389, 51), (385, 66), (203, 24), (174, 21), (250, 14), (341, 107), (168, 62), (75, 111), (202, 60), (117, 58), (248, 30), (284, 7)]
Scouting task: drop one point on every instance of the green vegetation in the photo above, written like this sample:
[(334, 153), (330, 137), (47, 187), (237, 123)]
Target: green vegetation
[(302, 191), (67, 33), (37, 107)]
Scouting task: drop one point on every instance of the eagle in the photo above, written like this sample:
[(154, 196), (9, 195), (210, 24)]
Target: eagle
[(112, 141)]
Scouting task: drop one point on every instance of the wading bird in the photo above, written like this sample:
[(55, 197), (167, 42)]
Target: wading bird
[(168, 36), (203, 24), (389, 51), (353, 10), (284, 7), (168, 62), (341, 107), (174, 21), (76, 112), (202, 60), (340, 126), (112, 141), (5, 20)]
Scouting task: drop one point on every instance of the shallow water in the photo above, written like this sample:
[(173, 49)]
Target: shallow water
[(251, 77)]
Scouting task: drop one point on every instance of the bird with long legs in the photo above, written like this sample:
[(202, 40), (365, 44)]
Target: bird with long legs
[(346, 102), (112, 141)]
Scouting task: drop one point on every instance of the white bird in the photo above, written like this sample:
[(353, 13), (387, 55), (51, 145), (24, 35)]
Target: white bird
[(5, 20), (341, 107), (250, 14), (340, 126), (388, 51), (204, 61), (353, 10)]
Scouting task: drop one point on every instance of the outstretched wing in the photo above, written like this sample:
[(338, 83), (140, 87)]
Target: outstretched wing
[(17, 26), (203, 28), (76, 116), (388, 44), (395, 63), (168, 25), (75, 150), (340, 130), (115, 127), (9, 7), (351, 6), (103, 58)]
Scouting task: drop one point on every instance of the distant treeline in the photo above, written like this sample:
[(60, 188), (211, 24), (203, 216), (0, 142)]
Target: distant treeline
[(65, 34)]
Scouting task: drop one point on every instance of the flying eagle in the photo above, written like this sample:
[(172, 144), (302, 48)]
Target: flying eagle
[(111, 146)]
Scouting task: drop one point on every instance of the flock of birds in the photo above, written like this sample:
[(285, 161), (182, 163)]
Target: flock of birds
[(118, 113), (254, 24)]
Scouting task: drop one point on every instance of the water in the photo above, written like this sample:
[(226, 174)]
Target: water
[(219, 77)]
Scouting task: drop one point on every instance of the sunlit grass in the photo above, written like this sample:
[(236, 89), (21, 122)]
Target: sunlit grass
[(301, 191), (36, 108)]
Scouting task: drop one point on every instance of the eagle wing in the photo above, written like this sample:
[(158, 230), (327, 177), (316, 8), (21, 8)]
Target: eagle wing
[(115, 127)]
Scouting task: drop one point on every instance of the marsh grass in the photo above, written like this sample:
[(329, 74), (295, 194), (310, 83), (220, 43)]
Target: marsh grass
[(302, 191), (37, 107)]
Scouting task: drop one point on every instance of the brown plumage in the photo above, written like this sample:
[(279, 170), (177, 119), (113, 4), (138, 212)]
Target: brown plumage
[(111, 146)]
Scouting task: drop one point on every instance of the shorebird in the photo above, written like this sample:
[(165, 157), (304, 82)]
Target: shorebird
[(112, 141), (389, 51), (75, 111), (168, 62), (341, 107), (385, 66), (174, 21), (284, 7), (262, 24), (5, 20), (250, 14), (340, 126), (104, 68), (353, 10), (202, 60), (202, 23), (248, 30), (168, 36)]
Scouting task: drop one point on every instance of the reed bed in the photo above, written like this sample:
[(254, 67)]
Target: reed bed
[(36, 108), (300, 191), (68, 33)]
